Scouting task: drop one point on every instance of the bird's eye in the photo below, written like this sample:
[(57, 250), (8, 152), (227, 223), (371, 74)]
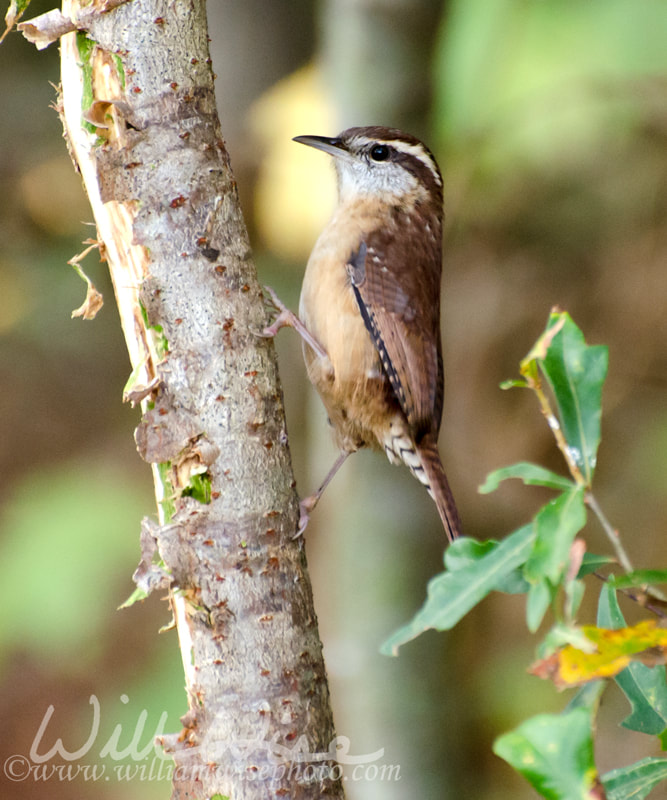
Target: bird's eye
[(380, 152)]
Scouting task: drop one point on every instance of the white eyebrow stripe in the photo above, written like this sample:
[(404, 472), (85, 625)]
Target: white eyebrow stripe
[(418, 152), (414, 150)]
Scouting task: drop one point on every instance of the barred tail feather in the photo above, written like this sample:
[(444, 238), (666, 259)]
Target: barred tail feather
[(438, 486), (423, 461), (432, 474)]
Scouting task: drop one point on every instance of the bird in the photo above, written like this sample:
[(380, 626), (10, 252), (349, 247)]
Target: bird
[(369, 310)]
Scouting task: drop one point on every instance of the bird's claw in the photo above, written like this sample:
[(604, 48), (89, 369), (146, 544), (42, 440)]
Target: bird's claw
[(305, 507), (283, 320), (285, 317), (288, 319), (273, 299)]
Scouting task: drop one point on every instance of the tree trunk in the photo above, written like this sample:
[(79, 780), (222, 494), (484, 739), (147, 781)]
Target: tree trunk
[(141, 123)]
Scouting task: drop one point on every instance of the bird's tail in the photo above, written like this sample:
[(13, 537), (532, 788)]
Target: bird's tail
[(432, 474)]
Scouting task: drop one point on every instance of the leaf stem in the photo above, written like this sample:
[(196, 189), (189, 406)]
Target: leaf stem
[(612, 533), (535, 384), (615, 539), (660, 610)]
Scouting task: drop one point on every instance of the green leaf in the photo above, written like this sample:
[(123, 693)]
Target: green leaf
[(463, 552), (576, 371), (609, 611), (530, 474), (554, 752), (635, 781), (574, 594), (539, 599), (640, 577), (592, 562), (453, 593), (561, 635), (137, 595), (646, 690), (539, 350), (513, 583), (556, 525), (587, 696), (645, 687)]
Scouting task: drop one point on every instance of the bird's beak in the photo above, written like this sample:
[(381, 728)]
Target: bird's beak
[(332, 145)]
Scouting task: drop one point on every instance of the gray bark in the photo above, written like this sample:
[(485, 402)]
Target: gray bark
[(141, 123)]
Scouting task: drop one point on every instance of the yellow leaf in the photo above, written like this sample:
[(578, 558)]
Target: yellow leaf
[(614, 650), (611, 652)]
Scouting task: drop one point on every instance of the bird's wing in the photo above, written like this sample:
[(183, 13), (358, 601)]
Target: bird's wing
[(397, 286)]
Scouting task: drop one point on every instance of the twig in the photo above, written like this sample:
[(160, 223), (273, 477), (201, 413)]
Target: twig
[(659, 607), (623, 559), (554, 424), (612, 533)]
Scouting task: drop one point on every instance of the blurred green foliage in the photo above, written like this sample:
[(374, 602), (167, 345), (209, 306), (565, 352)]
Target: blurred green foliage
[(66, 538), (539, 82)]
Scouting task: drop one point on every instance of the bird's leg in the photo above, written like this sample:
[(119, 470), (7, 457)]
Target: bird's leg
[(287, 318), (309, 503)]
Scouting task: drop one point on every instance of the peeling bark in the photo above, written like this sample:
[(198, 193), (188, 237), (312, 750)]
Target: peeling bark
[(141, 123)]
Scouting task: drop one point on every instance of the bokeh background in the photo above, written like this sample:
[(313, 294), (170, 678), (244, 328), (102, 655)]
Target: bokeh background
[(549, 119)]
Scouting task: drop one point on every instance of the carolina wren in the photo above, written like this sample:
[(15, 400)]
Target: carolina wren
[(371, 300)]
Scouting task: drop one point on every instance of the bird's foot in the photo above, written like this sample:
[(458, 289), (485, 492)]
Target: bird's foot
[(308, 503), (305, 508), (287, 318)]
